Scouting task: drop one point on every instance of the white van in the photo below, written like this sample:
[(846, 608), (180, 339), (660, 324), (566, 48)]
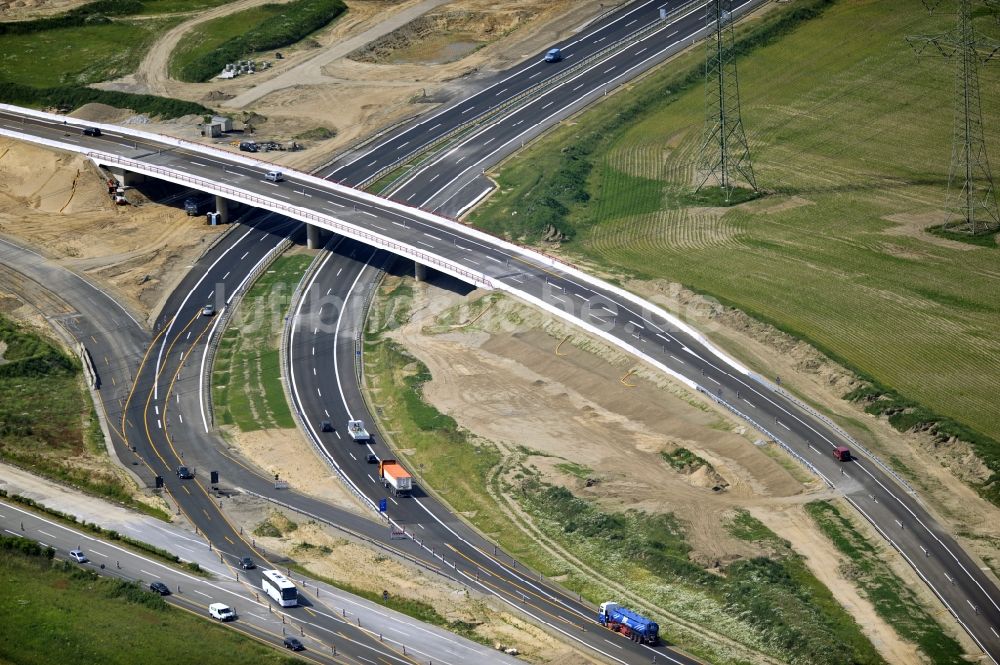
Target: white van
[(274, 176), (221, 611)]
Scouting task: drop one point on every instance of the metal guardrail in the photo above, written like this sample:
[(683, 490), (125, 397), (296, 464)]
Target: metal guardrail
[(836, 430), (211, 344), (523, 96), (802, 460)]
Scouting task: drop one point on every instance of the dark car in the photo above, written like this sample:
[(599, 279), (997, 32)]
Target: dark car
[(372, 458), (184, 473), (246, 563), (294, 644), (326, 426), (91, 131), (160, 588)]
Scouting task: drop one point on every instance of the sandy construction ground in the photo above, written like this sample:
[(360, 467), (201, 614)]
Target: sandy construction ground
[(336, 81), (58, 203), (516, 377)]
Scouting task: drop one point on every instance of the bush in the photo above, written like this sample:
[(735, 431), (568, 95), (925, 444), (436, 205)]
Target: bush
[(71, 97)]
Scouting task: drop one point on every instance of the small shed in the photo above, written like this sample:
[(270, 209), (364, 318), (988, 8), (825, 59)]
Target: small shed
[(225, 123)]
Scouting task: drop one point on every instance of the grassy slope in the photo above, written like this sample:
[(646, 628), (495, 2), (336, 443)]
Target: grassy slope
[(208, 36), (48, 612), (83, 54), (47, 424), (246, 383), (844, 117), (893, 601)]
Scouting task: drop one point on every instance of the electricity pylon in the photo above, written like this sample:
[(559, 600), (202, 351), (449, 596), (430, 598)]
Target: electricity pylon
[(975, 204), (724, 154)]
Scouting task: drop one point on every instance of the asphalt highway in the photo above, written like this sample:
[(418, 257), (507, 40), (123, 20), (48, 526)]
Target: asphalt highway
[(322, 357), (452, 180), (955, 578)]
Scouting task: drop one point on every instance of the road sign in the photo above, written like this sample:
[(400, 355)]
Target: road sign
[(382, 505), (397, 533)]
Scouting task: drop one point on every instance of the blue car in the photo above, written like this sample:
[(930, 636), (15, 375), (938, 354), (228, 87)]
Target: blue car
[(554, 55)]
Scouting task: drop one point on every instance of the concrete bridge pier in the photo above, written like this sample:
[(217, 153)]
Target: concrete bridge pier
[(222, 207), (420, 272), (125, 177), (312, 236)]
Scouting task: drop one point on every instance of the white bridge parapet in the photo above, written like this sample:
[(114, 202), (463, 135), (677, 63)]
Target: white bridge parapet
[(337, 225)]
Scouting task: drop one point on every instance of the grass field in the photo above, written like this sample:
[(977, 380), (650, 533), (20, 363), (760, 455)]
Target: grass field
[(646, 553), (850, 133), (205, 50), (51, 613), (246, 383), (893, 600)]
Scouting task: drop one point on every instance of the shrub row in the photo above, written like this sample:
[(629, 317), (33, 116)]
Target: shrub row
[(75, 96), (25, 546), (297, 20), (90, 13), (110, 534)]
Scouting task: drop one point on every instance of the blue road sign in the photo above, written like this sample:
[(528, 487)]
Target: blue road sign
[(382, 505)]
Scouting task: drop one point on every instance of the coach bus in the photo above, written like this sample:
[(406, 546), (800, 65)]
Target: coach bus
[(280, 588)]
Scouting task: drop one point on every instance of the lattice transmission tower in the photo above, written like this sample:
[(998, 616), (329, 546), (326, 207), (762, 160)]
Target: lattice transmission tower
[(724, 154), (972, 202)]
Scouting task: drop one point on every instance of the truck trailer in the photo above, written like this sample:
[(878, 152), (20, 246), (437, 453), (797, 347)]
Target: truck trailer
[(630, 624), (394, 476), (356, 428)]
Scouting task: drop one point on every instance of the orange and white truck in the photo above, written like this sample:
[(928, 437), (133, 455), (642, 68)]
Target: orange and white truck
[(394, 476)]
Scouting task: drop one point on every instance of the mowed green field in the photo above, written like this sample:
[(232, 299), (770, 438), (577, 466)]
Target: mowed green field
[(851, 136), (208, 36)]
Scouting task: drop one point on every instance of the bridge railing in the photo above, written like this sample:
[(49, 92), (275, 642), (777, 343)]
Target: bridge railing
[(325, 221)]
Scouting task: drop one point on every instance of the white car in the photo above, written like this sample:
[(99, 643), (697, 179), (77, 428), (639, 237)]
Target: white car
[(274, 176), (78, 556), (221, 611)]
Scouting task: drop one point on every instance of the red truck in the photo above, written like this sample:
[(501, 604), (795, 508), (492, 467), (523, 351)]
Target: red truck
[(842, 454)]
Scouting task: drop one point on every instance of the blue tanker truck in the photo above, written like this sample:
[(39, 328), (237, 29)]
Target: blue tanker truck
[(630, 624)]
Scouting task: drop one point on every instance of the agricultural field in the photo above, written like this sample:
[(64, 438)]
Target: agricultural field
[(246, 382), (851, 137)]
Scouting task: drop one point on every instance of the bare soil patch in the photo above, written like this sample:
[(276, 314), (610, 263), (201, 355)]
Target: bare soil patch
[(58, 203), (286, 453), (21, 10), (518, 378), (356, 98), (444, 36)]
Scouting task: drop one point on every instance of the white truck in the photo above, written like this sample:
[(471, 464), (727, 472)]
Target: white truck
[(356, 428)]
